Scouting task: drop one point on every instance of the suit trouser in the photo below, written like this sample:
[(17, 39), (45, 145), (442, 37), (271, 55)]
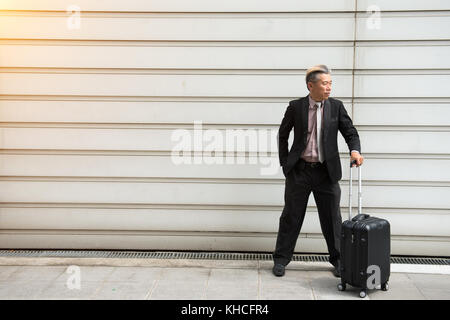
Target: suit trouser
[(298, 187)]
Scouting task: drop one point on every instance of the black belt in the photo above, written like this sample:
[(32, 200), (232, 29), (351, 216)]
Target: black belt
[(313, 164)]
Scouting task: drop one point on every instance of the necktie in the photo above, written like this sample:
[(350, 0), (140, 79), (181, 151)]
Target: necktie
[(319, 131)]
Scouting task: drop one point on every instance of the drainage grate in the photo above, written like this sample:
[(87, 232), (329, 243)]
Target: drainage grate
[(197, 255)]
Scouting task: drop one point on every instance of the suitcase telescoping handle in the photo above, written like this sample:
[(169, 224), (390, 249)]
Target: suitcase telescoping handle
[(350, 191)]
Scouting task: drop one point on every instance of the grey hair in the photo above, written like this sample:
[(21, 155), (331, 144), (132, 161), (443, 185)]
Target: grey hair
[(313, 72)]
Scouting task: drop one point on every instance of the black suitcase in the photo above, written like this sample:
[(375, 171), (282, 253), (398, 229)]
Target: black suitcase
[(365, 249)]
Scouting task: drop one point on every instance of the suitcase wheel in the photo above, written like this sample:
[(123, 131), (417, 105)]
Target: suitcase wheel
[(342, 286), (363, 294), (385, 286)]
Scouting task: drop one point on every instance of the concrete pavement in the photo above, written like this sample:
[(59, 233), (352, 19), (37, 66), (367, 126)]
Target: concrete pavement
[(194, 279)]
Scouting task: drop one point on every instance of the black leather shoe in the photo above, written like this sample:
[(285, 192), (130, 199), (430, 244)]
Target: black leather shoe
[(337, 269), (278, 270)]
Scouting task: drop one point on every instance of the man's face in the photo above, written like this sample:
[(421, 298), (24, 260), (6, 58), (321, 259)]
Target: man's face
[(321, 89)]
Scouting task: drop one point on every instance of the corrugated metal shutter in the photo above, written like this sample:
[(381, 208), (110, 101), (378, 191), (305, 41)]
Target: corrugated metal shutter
[(90, 101)]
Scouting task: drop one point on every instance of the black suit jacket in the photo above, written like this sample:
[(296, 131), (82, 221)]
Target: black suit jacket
[(335, 118)]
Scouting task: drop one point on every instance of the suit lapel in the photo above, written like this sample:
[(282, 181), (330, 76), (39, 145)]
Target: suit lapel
[(326, 116), (304, 113)]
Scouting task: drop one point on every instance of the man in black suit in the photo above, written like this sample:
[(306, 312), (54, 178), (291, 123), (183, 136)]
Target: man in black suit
[(313, 165)]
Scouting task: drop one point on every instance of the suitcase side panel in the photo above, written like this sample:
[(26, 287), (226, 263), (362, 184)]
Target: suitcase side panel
[(346, 251), (353, 255), (361, 252)]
